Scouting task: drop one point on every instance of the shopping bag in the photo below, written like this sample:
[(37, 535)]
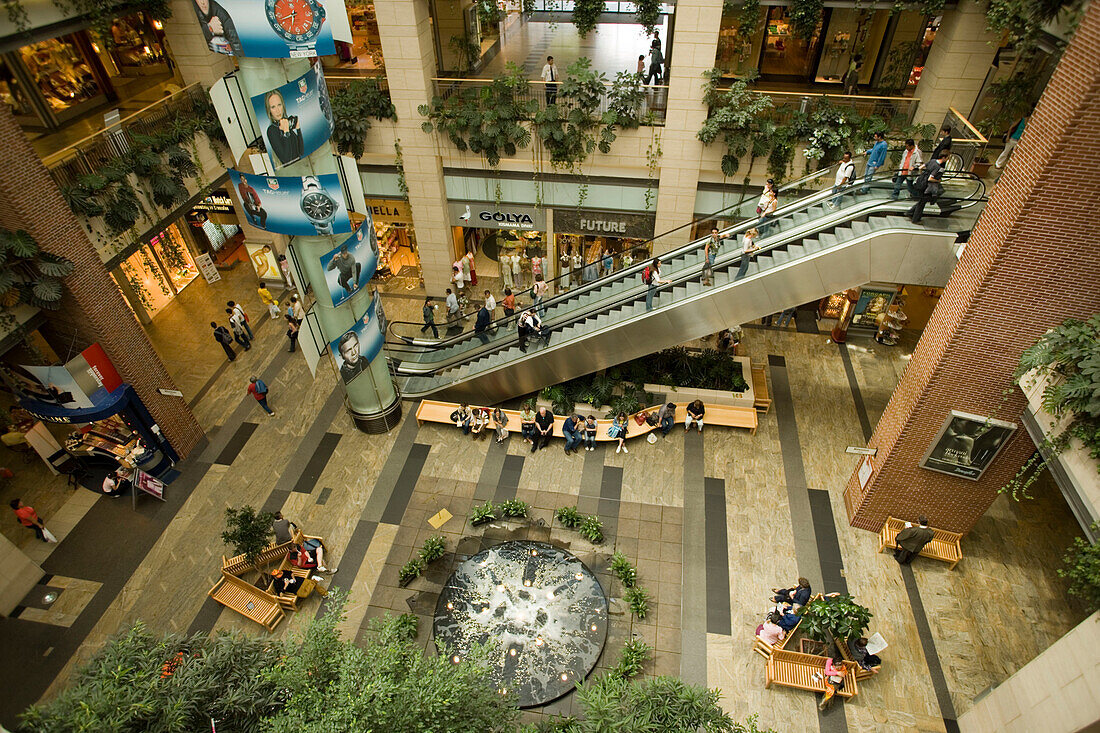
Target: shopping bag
[(273, 311), (48, 535)]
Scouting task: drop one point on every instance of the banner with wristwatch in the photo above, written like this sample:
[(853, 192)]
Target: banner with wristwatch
[(349, 267), (306, 205), (296, 118), (284, 28), (359, 345)]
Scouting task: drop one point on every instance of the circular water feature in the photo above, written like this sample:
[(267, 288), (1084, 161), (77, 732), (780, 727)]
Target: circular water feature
[(541, 609)]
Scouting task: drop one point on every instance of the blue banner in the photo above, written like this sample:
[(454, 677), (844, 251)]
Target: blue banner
[(349, 267), (359, 345), (309, 205), (296, 118), (268, 29)]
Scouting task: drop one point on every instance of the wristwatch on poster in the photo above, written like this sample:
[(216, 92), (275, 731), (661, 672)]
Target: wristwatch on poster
[(318, 206), (298, 22)]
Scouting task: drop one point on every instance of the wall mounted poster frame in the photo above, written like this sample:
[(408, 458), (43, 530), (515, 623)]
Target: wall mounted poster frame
[(966, 444)]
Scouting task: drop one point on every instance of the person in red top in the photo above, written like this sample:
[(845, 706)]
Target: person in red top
[(252, 205), (258, 389), (29, 518)]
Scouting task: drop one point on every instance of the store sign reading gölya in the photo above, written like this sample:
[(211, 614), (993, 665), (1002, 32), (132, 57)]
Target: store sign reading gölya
[(491, 217)]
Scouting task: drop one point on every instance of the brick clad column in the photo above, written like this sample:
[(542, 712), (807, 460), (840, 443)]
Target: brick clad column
[(92, 304), (1031, 262)]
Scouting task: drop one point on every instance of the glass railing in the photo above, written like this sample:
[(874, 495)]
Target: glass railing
[(790, 224)]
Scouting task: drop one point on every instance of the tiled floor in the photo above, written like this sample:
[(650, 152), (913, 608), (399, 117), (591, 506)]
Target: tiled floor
[(374, 495)]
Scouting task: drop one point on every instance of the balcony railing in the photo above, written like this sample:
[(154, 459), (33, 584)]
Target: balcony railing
[(651, 111), (86, 156), (966, 140), (895, 110)]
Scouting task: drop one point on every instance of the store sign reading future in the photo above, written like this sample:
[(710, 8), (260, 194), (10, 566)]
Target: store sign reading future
[(611, 223), (490, 216)]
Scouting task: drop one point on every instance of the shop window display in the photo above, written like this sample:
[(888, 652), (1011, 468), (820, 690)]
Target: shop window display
[(786, 55), (147, 281), (364, 53), (173, 253), (62, 73), (13, 94), (135, 48)]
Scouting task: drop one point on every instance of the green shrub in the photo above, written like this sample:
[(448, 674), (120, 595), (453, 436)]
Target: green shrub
[(627, 573), (569, 517), (514, 508), (482, 514), (837, 615), (634, 655), (592, 530), (638, 598), (1082, 569), (411, 570), (433, 549), (407, 626)]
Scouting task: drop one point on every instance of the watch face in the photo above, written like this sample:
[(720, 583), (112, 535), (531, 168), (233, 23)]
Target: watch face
[(298, 21), (318, 206)]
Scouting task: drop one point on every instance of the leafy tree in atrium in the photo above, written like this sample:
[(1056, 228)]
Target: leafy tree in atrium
[(1082, 568), (573, 128), (248, 532)]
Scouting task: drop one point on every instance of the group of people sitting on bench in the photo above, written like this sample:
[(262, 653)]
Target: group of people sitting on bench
[(786, 615), (307, 556)]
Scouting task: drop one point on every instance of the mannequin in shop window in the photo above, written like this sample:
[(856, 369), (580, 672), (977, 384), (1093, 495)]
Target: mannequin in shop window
[(578, 266), (564, 260), (506, 270), (517, 273)]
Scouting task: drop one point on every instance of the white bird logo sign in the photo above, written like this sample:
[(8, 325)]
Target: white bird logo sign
[(466, 216)]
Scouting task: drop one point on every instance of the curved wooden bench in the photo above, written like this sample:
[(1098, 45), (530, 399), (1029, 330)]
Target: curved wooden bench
[(945, 546), (247, 600), (237, 565), (723, 415), (795, 669), (761, 399)]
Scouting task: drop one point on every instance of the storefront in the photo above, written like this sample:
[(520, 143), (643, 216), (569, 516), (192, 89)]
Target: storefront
[(593, 234), (505, 236), (49, 82), (212, 223), (364, 53), (397, 251), (881, 48)]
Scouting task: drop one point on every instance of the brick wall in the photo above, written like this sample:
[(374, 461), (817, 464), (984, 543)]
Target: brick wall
[(1032, 261), (93, 307)]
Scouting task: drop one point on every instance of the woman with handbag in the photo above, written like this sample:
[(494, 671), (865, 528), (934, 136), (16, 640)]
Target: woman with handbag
[(618, 431), (835, 674)]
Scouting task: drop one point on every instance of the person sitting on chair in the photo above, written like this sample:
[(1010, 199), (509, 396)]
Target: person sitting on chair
[(863, 658), (285, 582), (770, 632)]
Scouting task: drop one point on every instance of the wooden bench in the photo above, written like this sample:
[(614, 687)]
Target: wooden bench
[(724, 415), (247, 600), (945, 546), (846, 654), (289, 601), (795, 669), (272, 553), (761, 399)]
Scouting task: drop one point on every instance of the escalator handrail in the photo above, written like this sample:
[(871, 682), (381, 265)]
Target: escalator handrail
[(729, 233), (795, 185)]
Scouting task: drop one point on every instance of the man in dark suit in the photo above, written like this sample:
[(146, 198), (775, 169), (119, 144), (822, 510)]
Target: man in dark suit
[(912, 540)]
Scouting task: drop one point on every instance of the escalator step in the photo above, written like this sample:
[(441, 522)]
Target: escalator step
[(860, 227), (780, 256), (796, 251), (811, 245), (827, 239), (694, 288)]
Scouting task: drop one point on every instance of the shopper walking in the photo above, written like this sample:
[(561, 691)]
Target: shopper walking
[(508, 302), (269, 300), (876, 157), (258, 389), (844, 174), (481, 325), (29, 518), (911, 162), (656, 60), (748, 248), (944, 142), (239, 311), (550, 77), (223, 337), (292, 334), (766, 206), (710, 254), (294, 308), (538, 290), (651, 276), (452, 307), (236, 324), (1014, 135), (429, 317), (930, 189)]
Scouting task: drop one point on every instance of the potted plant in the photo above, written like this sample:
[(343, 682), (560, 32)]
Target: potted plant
[(835, 617), (482, 514)]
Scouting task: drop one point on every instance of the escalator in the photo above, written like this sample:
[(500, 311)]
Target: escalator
[(810, 250)]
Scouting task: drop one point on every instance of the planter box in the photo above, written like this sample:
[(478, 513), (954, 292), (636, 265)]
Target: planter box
[(711, 396)]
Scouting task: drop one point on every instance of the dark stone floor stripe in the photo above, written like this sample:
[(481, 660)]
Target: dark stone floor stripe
[(85, 554), (857, 395), (588, 497), (490, 472), (611, 491), (391, 470), (406, 482), (931, 656), (206, 617), (217, 375), (236, 443), (817, 551), (322, 498), (509, 479), (805, 321), (349, 561), (693, 615), (317, 462), (718, 570)]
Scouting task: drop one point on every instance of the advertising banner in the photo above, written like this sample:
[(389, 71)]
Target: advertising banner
[(358, 346), (263, 259), (966, 445), (268, 29), (296, 118), (309, 205), (349, 267)]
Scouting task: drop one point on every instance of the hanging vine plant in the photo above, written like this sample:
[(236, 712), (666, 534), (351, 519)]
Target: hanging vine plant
[(29, 275), (737, 119), (585, 15), (648, 14), (625, 99), (746, 13), (805, 16), (487, 120), (571, 133)]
